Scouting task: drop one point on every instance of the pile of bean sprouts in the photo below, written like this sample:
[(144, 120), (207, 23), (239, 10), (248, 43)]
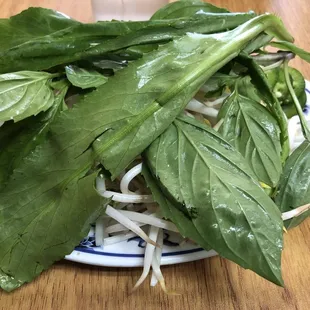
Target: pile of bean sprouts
[(134, 212)]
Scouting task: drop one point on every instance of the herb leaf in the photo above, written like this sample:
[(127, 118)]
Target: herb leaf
[(170, 211), (289, 46), (83, 78), (294, 186), (186, 9), (26, 138), (259, 80), (55, 221), (257, 43), (24, 93), (253, 131), (205, 175), (73, 46)]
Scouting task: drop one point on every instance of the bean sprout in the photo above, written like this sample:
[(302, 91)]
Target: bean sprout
[(148, 256), (100, 233), (155, 275), (152, 219), (129, 198), (128, 223), (295, 212), (118, 238), (217, 126), (197, 106), (132, 173)]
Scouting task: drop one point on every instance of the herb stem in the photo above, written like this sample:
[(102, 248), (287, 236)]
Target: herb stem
[(303, 122)]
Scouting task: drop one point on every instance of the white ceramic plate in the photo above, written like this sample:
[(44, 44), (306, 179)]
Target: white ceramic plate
[(130, 253)]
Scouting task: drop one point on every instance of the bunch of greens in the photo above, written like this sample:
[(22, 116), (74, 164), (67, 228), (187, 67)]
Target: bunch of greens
[(223, 189)]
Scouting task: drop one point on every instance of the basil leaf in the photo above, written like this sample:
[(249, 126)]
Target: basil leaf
[(252, 130), (24, 93), (83, 78), (294, 186), (260, 82), (288, 46), (42, 226), (217, 191), (186, 9), (169, 211), (25, 139), (277, 82)]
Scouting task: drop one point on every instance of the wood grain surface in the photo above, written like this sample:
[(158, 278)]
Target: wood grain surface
[(207, 284)]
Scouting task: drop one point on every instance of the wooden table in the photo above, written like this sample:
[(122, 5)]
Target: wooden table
[(208, 284)]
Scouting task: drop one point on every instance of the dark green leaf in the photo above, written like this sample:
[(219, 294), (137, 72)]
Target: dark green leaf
[(36, 231), (253, 131), (37, 29), (186, 9), (84, 78), (294, 186), (257, 43), (217, 191), (24, 93), (217, 83), (169, 211), (24, 139), (288, 46), (49, 52), (277, 82), (260, 82), (247, 89)]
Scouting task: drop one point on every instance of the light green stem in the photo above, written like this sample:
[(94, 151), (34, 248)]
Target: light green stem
[(303, 122)]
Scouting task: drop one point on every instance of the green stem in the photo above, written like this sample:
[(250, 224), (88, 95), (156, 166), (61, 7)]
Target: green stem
[(236, 40), (303, 121)]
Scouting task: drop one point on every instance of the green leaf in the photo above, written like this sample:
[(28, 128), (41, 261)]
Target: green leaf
[(217, 191), (29, 133), (253, 131), (126, 139), (186, 9), (169, 211), (217, 83), (41, 226), (294, 186), (84, 78), (277, 82), (24, 93), (46, 53), (40, 30), (288, 46), (260, 82), (257, 43)]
